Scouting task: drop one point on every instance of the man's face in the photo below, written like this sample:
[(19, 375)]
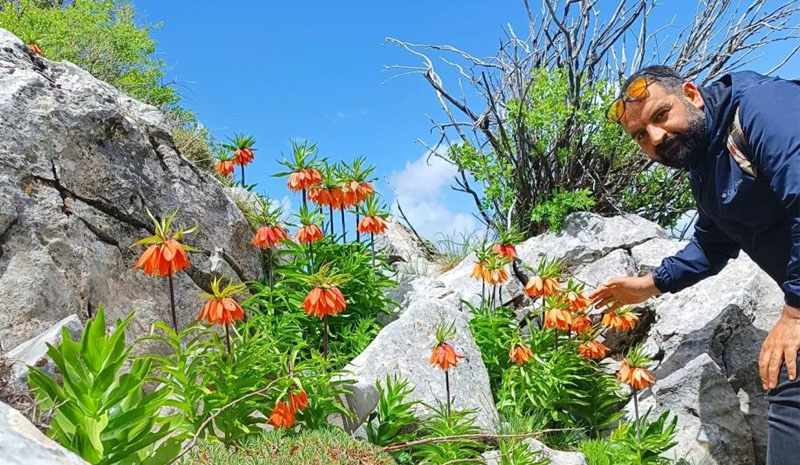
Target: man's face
[(669, 128)]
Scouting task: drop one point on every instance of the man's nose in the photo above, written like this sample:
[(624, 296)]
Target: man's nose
[(656, 134)]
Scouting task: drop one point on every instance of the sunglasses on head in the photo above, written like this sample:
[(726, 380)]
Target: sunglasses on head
[(636, 91)]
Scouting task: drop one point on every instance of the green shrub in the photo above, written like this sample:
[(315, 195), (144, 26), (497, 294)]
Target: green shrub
[(442, 423), (554, 210), (318, 447), (99, 412), (493, 331)]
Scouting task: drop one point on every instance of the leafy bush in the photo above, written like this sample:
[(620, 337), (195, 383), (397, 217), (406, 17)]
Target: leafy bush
[(100, 413), (317, 447), (554, 210), (393, 420), (100, 36), (443, 424), (623, 447)]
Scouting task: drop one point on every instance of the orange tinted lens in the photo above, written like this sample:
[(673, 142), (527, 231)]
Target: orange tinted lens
[(637, 88), (615, 110)]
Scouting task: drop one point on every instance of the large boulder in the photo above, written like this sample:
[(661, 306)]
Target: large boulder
[(79, 162), (404, 347), (586, 237), (711, 428), (406, 251), (22, 444), (33, 352)]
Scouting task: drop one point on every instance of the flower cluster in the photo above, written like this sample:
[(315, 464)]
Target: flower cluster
[(283, 415)]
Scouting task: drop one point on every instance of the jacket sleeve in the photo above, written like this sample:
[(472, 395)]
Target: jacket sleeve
[(706, 254), (770, 118)]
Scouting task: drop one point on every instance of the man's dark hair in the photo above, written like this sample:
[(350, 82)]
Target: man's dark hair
[(667, 77)]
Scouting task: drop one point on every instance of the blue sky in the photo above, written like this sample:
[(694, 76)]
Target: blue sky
[(315, 70)]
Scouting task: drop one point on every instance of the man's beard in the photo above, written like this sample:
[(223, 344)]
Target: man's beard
[(678, 150)]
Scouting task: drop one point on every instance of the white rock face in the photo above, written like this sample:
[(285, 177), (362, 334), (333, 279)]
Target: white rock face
[(471, 289), (34, 351), (22, 444), (404, 347), (79, 162), (405, 251)]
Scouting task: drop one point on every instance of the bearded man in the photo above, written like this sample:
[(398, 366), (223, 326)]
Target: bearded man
[(739, 139)]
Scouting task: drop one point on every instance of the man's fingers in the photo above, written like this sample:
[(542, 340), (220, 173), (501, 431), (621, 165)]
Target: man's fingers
[(614, 307), (603, 302), (763, 366), (775, 360), (598, 293), (790, 356)]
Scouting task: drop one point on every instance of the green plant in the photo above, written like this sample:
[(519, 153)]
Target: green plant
[(493, 330), (393, 420), (552, 211), (623, 447), (574, 393), (453, 249), (100, 412), (445, 423)]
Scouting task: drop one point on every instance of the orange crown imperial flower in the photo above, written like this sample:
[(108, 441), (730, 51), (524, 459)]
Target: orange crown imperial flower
[(444, 355), (35, 48), (581, 323), (221, 307), (242, 147), (308, 234), (576, 301), (374, 218), (519, 353), (542, 287), (304, 179), (505, 250), (477, 271), (298, 400), (558, 318), (632, 371), (325, 298), (282, 415), (165, 254), (269, 236), (620, 319), (494, 271), (593, 350)]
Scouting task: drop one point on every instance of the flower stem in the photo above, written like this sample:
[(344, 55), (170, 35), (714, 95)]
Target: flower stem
[(228, 338), (636, 412), (358, 233), (447, 389), (333, 233), (311, 257), (305, 204), (556, 338), (325, 337), (372, 244), (172, 304), (344, 229), (269, 268), (243, 175)]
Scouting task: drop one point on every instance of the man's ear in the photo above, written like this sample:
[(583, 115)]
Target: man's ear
[(692, 94)]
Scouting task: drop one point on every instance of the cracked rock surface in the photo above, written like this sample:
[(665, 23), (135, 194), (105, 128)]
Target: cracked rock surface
[(79, 162)]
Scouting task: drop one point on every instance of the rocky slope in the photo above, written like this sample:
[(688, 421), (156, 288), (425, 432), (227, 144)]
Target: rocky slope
[(79, 162)]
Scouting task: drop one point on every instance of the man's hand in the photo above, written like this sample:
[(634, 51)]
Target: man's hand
[(782, 343), (626, 290)]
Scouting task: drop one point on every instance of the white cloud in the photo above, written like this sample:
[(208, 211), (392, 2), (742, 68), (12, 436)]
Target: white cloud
[(419, 188)]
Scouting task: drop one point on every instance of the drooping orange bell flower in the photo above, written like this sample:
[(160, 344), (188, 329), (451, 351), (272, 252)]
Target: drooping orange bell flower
[(308, 234), (298, 400), (305, 178), (282, 415), (576, 301), (165, 254), (632, 371), (224, 167), (269, 236), (243, 156), (323, 301), (221, 307), (557, 318), (35, 48), (444, 356), (495, 276), (620, 320), (580, 323), (542, 287), (593, 350), (319, 196), (372, 224), (365, 189), (505, 250), (519, 353), (477, 271)]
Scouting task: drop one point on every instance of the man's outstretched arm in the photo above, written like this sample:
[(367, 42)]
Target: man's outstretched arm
[(705, 255)]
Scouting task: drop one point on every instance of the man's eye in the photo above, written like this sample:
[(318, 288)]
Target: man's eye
[(661, 115), (639, 136)]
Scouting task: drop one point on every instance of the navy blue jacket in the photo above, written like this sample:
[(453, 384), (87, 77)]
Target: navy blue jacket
[(736, 211)]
